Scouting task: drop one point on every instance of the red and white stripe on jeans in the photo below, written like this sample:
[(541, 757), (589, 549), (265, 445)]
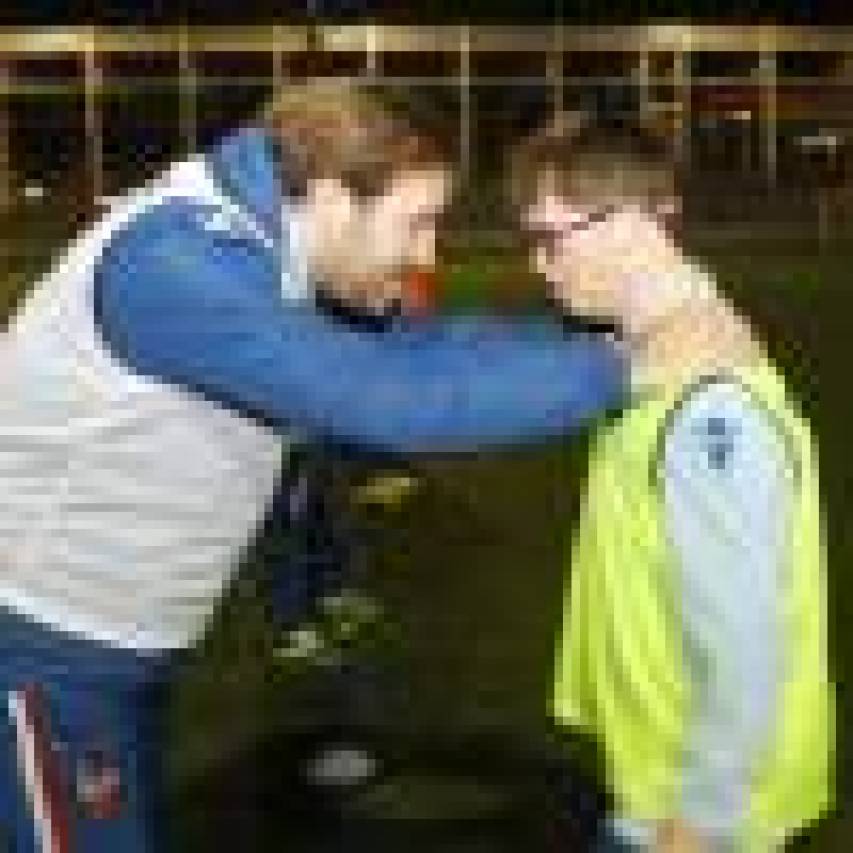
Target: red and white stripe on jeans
[(40, 769)]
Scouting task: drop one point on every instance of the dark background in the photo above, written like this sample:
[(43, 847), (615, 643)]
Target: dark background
[(471, 566)]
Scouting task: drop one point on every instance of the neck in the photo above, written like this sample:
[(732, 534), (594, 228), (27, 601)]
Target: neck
[(661, 282), (684, 329)]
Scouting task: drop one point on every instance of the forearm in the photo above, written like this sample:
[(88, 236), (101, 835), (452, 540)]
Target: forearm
[(446, 386)]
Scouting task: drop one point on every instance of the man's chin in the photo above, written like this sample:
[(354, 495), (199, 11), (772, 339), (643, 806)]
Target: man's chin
[(383, 305), (580, 318), (365, 298)]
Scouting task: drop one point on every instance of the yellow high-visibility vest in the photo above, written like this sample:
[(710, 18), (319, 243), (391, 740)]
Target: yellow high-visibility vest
[(620, 672)]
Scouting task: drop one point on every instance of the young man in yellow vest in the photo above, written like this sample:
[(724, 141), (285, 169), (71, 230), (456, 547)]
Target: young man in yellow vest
[(693, 648)]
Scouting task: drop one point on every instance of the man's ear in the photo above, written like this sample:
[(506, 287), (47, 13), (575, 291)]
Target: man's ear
[(668, 212), (668, 207)]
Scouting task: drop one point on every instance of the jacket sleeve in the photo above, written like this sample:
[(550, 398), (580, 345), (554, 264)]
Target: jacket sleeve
[(198, 310), (726, 496)]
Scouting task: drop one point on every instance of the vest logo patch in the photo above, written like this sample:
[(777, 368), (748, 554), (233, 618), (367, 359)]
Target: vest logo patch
[(720, 442)]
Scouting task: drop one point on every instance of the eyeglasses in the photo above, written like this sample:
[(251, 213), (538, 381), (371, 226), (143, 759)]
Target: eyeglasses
[(548, 237), (594, 217)]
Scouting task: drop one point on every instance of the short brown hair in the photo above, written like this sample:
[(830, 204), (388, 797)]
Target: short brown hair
[(343, 130), (591, 159)]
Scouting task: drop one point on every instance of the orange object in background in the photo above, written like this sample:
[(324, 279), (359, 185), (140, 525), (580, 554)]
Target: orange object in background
[(420, 292)]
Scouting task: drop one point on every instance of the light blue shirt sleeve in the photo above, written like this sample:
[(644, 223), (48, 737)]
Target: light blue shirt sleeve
[(726, 490)]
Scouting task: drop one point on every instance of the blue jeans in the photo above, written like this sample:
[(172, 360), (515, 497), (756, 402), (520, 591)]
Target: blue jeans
[(105, 711)]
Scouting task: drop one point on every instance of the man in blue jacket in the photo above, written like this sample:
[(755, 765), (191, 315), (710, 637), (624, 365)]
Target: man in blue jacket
[(151, 386)]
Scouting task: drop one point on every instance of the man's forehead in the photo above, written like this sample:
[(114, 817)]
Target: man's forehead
[(426, 177), (419, 186)]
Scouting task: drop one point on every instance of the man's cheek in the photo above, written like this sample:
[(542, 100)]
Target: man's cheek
[(376, 245), (587, 241)]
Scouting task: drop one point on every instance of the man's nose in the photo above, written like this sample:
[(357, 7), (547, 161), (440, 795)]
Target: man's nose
[(423, 253), (544, 260)]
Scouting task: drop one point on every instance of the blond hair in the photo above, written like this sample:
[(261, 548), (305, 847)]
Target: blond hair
[(341, 129)]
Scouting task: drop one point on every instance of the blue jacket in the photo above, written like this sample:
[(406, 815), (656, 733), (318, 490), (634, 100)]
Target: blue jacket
[(203, 309)]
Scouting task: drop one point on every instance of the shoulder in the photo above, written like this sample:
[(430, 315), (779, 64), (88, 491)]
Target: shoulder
[(726, 472), (720, 428), (182, 205), (187, 239)]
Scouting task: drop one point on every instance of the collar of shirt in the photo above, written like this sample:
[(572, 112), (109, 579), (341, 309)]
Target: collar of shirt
[(296, 282)]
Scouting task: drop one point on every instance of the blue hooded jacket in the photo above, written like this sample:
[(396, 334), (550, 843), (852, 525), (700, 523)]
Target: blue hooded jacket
[(203, 309)]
